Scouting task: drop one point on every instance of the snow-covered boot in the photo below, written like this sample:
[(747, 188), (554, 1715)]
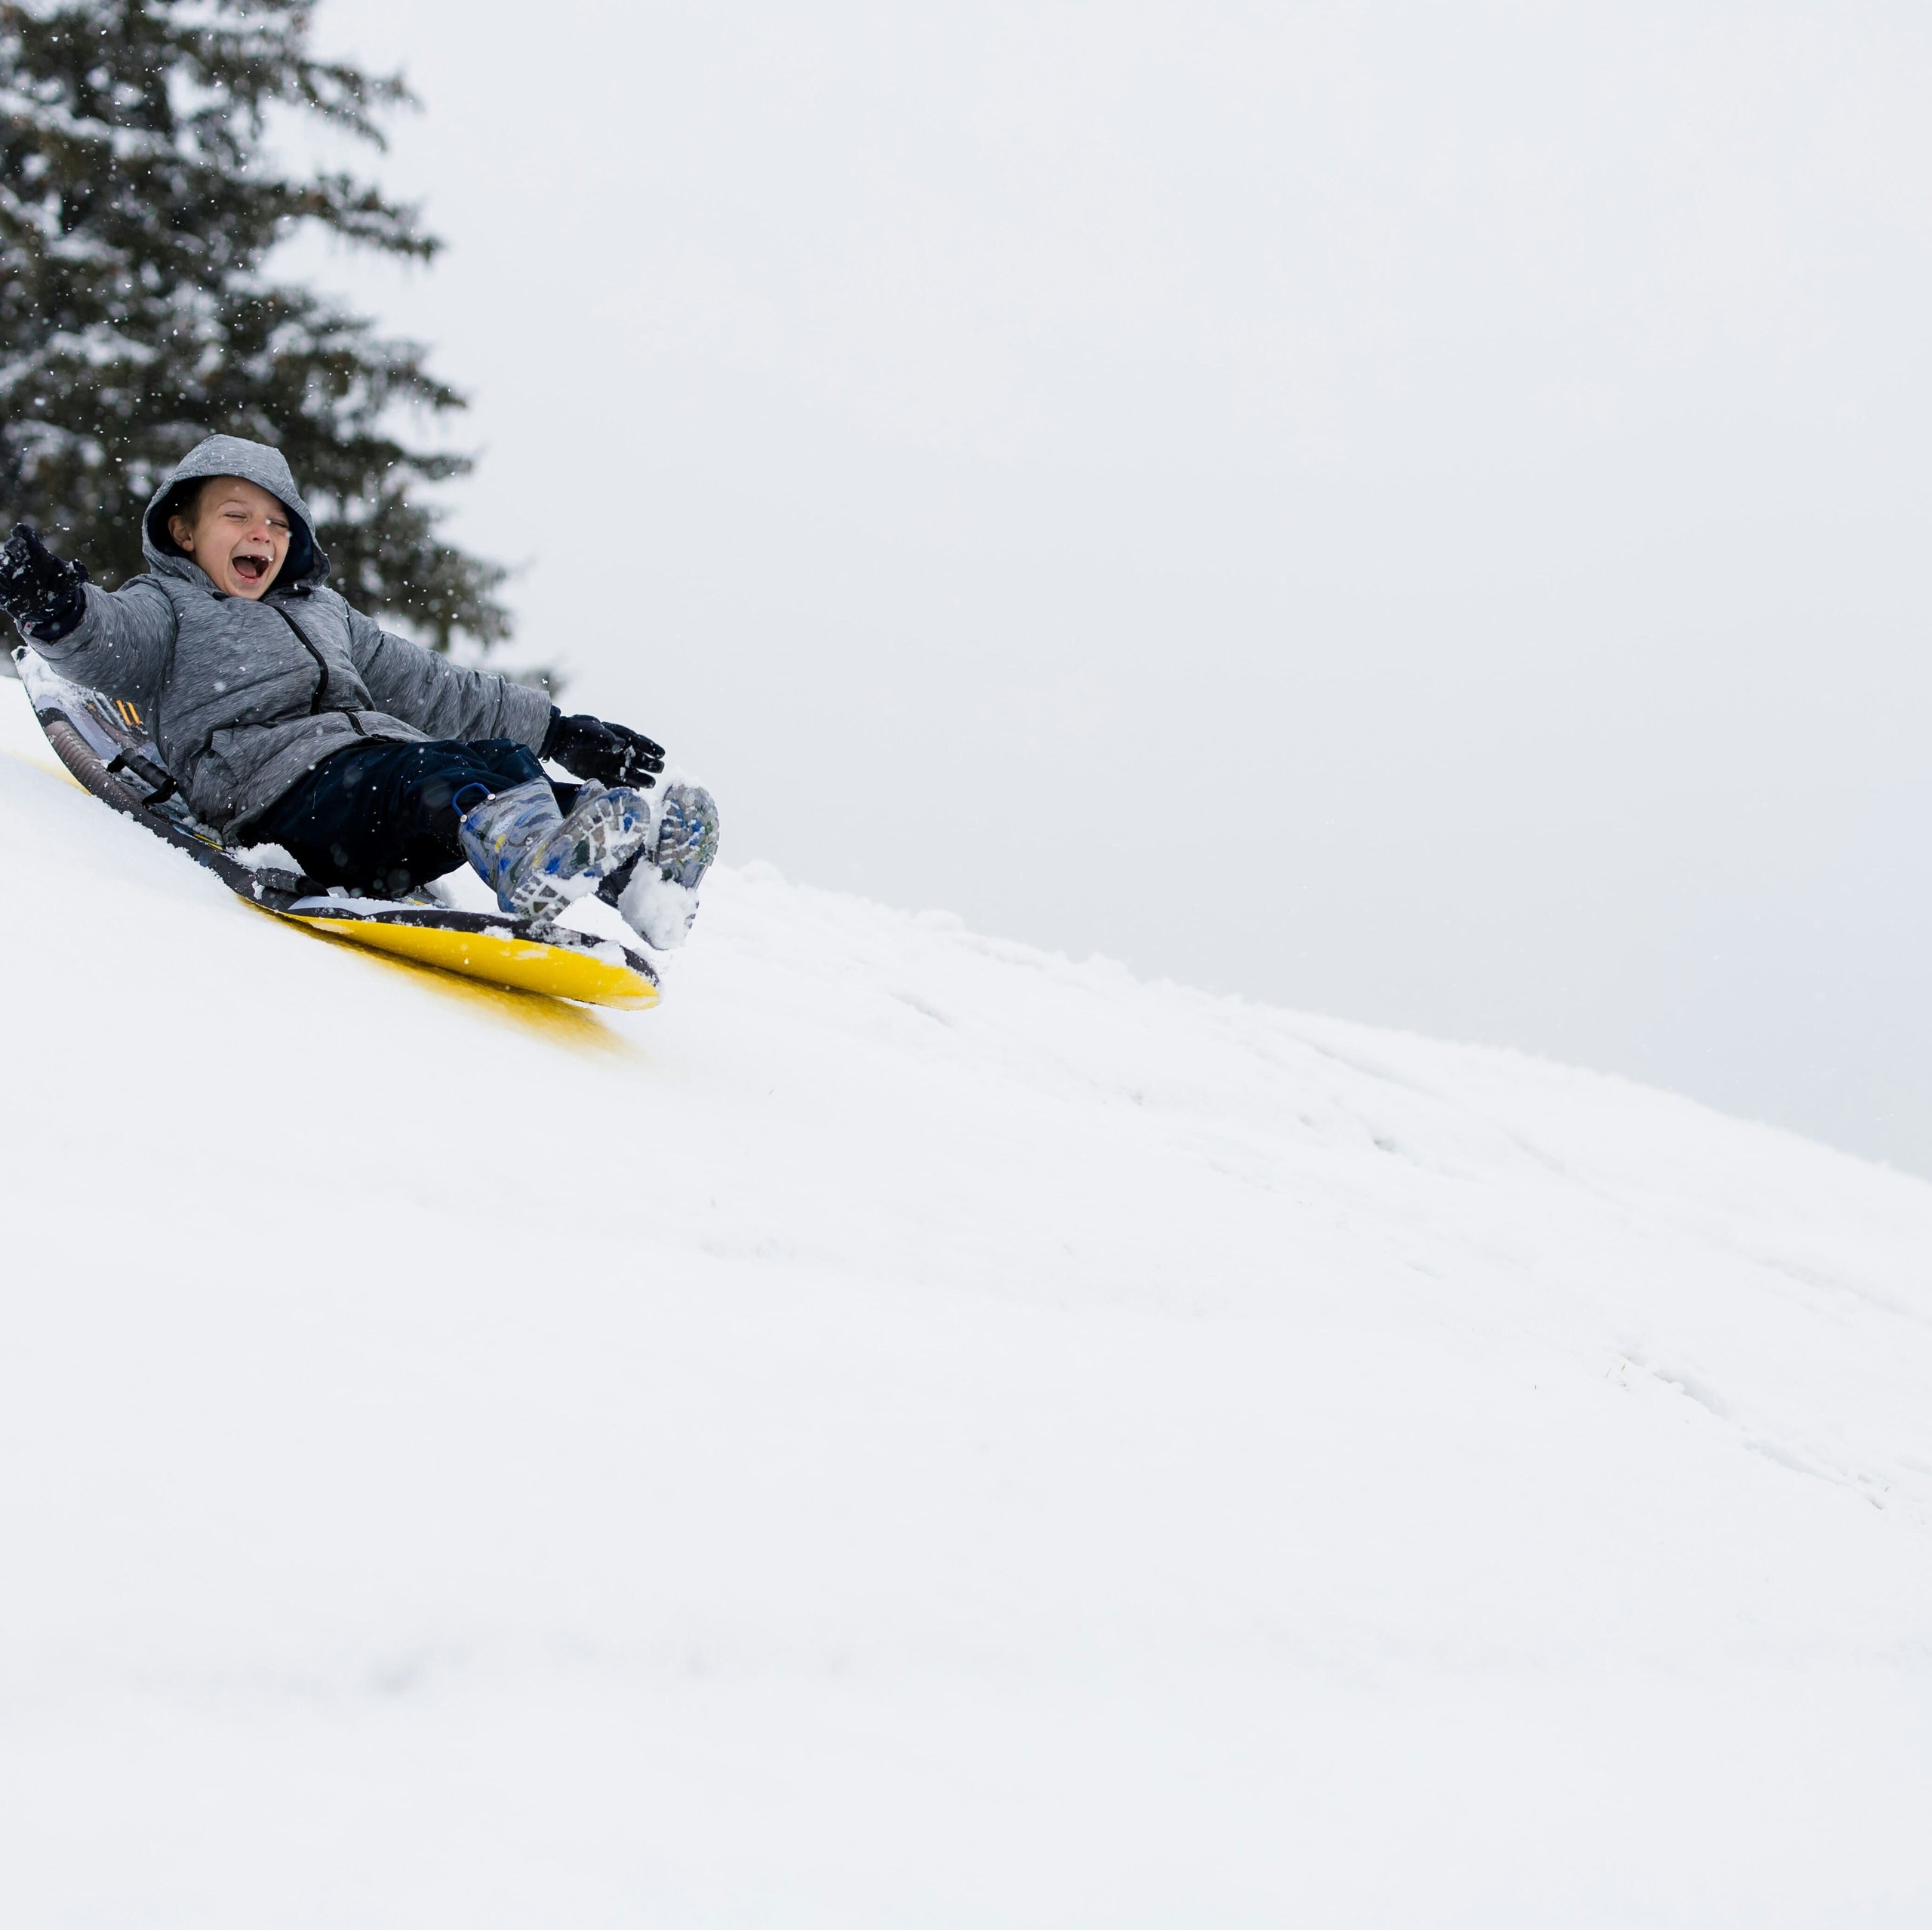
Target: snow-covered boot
[(656, 892), (536, 859)]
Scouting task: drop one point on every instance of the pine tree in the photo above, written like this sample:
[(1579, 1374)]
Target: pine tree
[(138, 205)]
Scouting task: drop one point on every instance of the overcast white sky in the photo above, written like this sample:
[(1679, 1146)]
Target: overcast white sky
[(1413, 511)]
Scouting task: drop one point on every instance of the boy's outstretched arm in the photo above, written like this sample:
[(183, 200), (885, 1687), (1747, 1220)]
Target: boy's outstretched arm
[(447, 701), (115, 642), (441, 697)]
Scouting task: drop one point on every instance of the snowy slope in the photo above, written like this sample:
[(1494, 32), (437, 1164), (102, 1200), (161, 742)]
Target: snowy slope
[(915, 1432)]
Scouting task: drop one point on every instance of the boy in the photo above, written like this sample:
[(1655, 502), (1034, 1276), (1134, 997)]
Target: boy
[(288, 717)]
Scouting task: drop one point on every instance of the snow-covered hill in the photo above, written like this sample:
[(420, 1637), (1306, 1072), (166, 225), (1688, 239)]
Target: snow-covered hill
[(915, 1431)]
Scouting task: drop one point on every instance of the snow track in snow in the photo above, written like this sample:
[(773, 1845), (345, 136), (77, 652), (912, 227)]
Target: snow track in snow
[(916, 1431)]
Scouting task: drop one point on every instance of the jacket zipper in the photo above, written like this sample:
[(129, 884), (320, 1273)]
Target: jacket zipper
[(316, 705)]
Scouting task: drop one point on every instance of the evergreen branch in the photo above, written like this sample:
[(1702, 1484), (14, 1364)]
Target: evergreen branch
[(137, 210)]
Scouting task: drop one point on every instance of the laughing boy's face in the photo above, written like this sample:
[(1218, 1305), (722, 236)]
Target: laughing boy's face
[(239, 536)]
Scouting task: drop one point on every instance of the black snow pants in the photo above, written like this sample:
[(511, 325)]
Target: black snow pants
[(382, 816)]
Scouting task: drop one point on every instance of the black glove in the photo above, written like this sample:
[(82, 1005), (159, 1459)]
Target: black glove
[(41, 593), (588, 747)]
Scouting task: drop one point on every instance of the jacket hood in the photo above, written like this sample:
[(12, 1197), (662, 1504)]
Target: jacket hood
[(306, 563)]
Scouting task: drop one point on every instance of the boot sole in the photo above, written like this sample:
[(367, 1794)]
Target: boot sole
[(687, 865), (595, 839)]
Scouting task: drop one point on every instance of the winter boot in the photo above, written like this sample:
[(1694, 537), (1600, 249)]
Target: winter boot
[(657, 892), (536, 859)]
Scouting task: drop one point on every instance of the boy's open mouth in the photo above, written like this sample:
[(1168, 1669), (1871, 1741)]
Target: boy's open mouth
[(252, 569)]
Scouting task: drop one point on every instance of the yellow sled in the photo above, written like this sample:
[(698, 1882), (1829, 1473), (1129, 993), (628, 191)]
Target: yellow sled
[(502, 957), (104, 744)]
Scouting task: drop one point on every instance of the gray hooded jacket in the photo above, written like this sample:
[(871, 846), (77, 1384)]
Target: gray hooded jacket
[(245, 697)]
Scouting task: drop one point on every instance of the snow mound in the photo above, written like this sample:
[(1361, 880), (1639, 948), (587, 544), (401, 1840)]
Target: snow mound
[(915, 1431)]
